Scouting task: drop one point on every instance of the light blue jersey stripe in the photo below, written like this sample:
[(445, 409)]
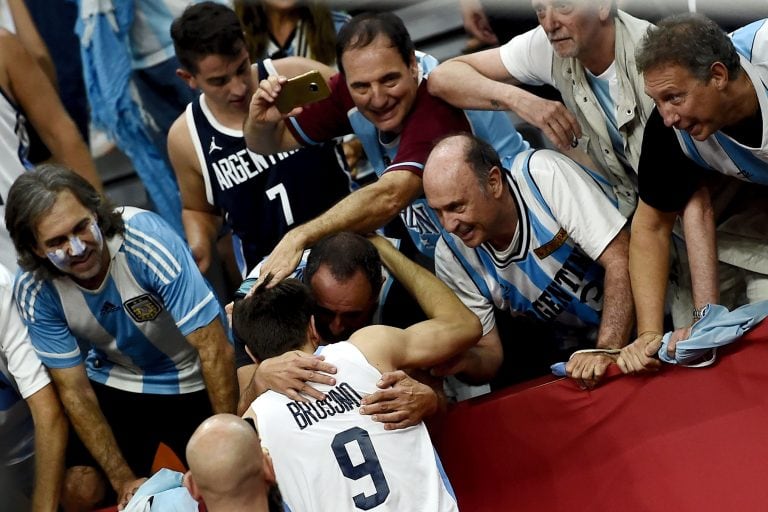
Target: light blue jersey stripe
[(306, 139), (751, 168), (744, 38), (690, 149), (721, 153), (129, 326), (444, 476), (131, 341), (476, 277)]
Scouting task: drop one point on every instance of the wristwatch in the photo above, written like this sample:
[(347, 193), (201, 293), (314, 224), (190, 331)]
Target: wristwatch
[(698, 313)]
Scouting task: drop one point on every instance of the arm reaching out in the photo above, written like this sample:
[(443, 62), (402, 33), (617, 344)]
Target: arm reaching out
[(648, 271), (362, 211), (287, 374), (617, 316), (264, 129), (83, 409), (451, 328), (480, 81)]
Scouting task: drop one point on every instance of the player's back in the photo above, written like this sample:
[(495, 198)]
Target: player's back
[(327, 456)]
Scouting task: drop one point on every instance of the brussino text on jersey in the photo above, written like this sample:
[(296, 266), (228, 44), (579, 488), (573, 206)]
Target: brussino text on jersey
[(338, 400)]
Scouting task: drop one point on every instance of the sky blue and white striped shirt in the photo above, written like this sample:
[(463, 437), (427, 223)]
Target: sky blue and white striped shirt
[(133, 326)]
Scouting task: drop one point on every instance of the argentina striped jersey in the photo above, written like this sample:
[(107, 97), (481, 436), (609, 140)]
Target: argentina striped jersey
[(720, 152), (133, 326), (565, 221)]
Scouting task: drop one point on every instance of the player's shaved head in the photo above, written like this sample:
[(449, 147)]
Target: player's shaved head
[(225, 459)]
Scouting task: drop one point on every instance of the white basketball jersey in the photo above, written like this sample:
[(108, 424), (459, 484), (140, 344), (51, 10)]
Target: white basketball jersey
[(327, 456)]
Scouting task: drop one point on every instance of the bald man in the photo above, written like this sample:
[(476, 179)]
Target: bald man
[(226, 466), (541, 239), (226, 471)]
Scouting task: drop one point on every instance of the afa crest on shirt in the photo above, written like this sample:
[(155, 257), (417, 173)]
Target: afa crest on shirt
[(143, 308)]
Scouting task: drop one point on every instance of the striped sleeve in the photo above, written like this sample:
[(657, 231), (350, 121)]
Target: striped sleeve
[(162, 261), (40, 308)]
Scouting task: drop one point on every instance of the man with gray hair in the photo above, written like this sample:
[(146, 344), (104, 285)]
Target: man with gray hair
[(712, 115), (586, 50), (123, 285)]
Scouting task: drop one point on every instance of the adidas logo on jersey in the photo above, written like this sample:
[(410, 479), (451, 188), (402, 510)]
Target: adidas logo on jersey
[(213, 147), (108, 307)]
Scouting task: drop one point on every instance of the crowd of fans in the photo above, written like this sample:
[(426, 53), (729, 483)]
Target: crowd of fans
[(363, 309)]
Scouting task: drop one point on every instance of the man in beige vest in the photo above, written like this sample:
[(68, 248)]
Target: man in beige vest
[(585, 49)]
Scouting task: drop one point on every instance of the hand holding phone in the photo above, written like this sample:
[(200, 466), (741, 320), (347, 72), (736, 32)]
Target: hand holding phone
[(301, 90)]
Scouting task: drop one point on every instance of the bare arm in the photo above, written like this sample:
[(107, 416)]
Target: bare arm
[(287, 374), (30, 38), (701, 244), (451, 328), (479, 364), (617, 315), (249, 389), (200, 219), (293, 66), (476, 22), (618, 307), (217, 358), (480, 81), (362, 211), (649, 264), (84, 412), (649, 272), (50, 443), (36, 95), (264, 127)]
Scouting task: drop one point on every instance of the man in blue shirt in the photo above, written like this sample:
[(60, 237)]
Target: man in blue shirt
[(123, 286)]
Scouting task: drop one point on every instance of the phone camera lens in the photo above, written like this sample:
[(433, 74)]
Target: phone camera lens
[(313, 87)]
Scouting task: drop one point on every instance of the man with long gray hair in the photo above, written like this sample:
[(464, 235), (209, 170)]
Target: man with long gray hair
[(124, 286)]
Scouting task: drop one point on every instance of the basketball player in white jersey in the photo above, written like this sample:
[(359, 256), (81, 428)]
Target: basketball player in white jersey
[(325, 454)]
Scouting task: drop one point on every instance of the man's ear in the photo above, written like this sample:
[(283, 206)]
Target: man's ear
[(314, 336), (496, 182), (718, 75), (188, 77), (191, 485), (604, 10), (253, 358), (269, 469), (413, 65)]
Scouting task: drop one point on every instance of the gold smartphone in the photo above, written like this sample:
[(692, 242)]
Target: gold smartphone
[(302, 90)]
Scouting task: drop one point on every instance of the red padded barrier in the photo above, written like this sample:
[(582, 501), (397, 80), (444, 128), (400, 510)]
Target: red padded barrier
[(681, 439)]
